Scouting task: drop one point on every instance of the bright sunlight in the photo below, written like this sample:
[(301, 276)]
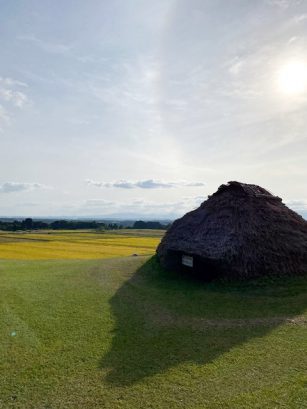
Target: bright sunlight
[(292, 78)]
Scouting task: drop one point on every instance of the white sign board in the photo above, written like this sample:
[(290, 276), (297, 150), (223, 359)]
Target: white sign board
[(187, 260)]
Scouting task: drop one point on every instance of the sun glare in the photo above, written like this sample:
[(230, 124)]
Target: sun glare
[(292, 78)]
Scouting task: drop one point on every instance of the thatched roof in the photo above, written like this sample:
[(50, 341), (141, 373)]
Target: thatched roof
[(242, 230)]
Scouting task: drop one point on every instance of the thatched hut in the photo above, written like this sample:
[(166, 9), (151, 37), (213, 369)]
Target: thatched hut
[(241, 231)]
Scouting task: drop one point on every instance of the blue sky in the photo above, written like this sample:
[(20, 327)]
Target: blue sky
[(144, 108)]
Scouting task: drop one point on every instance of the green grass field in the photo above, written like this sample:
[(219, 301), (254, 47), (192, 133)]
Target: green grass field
[(103, 332)]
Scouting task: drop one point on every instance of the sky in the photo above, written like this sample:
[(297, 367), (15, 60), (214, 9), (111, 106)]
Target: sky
[(135, 108)]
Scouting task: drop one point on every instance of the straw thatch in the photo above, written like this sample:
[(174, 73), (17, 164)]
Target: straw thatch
[(241, 231)]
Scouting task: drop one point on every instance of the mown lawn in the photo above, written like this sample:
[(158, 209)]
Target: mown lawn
[(123, 333)]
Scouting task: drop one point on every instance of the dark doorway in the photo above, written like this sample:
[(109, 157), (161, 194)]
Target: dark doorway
[(204, 268)]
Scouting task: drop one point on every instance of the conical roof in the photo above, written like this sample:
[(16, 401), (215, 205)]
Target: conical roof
[(241, 231)]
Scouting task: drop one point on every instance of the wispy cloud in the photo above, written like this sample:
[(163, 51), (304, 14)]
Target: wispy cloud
[(283, 4), (164, 207), (301, 18), (47, 46), (137, 208), (235, 65), (143, 184), (17, 98), (11, 187), (10, 82), (11, 97), (10, 93), (99, 203)]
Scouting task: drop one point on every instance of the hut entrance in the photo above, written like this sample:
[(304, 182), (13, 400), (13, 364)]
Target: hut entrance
[(191, 263)]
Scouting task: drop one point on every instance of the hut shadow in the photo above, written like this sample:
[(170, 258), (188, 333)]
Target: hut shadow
[(164, 320)]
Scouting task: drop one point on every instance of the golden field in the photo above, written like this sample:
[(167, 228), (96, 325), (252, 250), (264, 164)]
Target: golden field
[(51, 245)]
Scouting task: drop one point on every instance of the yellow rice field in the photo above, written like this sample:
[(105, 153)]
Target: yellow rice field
[(75, 245)]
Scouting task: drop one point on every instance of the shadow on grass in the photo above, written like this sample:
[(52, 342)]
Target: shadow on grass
[(163, 320)]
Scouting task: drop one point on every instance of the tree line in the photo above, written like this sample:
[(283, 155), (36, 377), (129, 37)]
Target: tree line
[(30, 224), (140, 224)]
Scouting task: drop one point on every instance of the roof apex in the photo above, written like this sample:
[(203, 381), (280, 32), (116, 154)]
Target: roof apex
[(249, 189)]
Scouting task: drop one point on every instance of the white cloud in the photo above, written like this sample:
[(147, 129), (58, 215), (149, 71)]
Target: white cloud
[(301, 18), (11, 187), (10, 97), (17, 98), (298, 205), (143, 184), (9, 92), (4, 116), (99, 203), (235, 66)]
